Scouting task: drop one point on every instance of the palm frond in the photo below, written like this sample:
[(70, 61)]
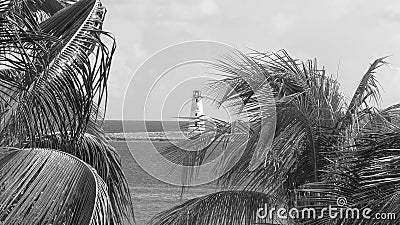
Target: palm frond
[(228, 207), (61, 94), (294, 157), (368, 89), (392, 114), (42, 186), (366, 175), (98, 153), (305, 100)]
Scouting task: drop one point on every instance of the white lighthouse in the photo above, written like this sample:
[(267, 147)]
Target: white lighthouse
[(196, 111)]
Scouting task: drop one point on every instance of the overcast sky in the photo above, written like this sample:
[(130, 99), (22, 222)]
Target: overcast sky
[(348, 33)]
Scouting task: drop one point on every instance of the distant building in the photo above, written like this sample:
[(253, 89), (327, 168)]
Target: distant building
[(198, 124)]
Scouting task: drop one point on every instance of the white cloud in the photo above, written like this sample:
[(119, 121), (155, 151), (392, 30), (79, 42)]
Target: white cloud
[(356, 31)]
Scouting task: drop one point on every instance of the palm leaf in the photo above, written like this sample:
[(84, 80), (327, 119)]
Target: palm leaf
[(392, 114), (366, 175), (61, 93), (368, 88), (306, 100), (42, 186), (98, 153), (228, 207)]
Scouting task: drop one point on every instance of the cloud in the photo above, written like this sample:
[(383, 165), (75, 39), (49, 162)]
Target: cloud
[(356, 31)]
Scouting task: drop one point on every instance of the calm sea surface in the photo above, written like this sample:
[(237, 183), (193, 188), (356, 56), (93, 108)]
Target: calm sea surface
[(149, 195)]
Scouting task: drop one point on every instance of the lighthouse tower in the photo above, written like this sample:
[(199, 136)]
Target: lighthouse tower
[(197, 111)]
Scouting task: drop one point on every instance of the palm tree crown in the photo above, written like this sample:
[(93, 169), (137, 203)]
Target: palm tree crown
[(54, 67), (322, 147)]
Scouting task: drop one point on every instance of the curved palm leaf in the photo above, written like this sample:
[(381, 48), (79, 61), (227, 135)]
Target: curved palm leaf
[(101, 156), (228, 207), (43, 186), (368, 88)]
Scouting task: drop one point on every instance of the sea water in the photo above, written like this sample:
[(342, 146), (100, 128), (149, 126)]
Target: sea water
[(149, 195)]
